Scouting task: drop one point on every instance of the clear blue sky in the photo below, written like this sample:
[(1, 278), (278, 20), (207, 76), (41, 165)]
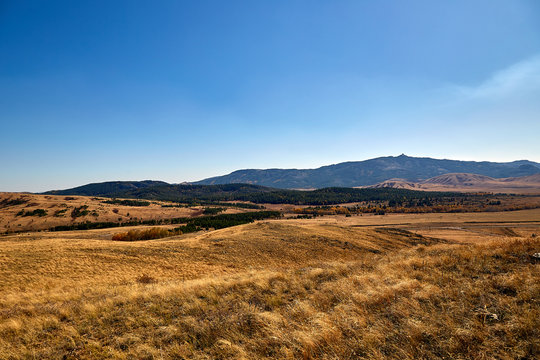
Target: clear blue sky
[(182, 90)]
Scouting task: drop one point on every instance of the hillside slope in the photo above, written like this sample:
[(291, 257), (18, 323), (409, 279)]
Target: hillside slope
[(197, 194), (106, 188), (460, 179), (31, 212), (271, 290), (373, 171), (469, 183)]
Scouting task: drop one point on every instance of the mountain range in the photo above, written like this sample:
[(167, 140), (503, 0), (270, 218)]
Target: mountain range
[(373, 171), (401, 172)]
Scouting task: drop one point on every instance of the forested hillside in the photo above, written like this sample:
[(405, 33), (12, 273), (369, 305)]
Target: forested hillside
[(373, 171)]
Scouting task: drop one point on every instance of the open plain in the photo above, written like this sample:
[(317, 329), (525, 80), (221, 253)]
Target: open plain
[(401, 286)]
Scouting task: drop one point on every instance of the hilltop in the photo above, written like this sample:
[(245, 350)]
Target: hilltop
[(106, 188)]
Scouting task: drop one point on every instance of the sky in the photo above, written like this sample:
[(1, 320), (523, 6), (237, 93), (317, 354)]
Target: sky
[(179, 91)]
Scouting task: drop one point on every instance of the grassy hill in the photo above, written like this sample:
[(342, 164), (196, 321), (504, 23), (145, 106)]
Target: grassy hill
[(282, 289)]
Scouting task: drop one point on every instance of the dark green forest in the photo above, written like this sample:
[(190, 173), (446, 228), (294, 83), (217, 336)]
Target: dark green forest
[(189, 194), (197, 223), (209, 194), (127, 202)]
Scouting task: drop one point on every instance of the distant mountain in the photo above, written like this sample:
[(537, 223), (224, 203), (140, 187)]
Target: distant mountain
[(531, 179), (107, 188), (373, 171), (468, 183), (460, 179), (410, 173)]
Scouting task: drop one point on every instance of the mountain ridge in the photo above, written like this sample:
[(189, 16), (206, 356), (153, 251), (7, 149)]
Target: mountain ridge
[(372, 171), (404, 171)]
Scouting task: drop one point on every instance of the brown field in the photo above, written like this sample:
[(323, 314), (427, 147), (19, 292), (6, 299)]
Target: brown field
[(97, 211), (400, 286)]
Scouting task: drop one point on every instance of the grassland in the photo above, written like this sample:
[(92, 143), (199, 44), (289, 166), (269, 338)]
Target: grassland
[(21, 212), (408, 286)]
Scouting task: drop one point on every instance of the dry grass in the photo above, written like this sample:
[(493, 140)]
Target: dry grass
[(147, 234), (59, 210), (30, 263), (276, 289)]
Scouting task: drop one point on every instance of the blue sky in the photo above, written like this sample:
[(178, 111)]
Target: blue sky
[(183, 90)]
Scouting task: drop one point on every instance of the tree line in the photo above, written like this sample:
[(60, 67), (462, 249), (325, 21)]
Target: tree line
[(215, 221), (127, 202), (197, 224), (214, 194)]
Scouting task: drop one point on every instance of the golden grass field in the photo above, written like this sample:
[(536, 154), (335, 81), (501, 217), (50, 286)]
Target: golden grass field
[(97, 211), (400, 286)]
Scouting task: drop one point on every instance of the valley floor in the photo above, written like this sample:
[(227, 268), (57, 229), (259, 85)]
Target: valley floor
[(455, 286)]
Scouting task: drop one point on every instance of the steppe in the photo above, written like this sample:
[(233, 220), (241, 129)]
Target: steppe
[(59, 211), (400, 286)]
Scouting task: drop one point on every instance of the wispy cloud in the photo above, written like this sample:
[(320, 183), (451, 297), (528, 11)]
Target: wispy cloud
[(518, 79)]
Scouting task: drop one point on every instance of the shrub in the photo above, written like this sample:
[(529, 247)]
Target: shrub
[(146, 279), (79, 211), (60, 213), (212, 210), (134, 235), (36, 212), (12, 202), (127, 202), (189, 228)]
